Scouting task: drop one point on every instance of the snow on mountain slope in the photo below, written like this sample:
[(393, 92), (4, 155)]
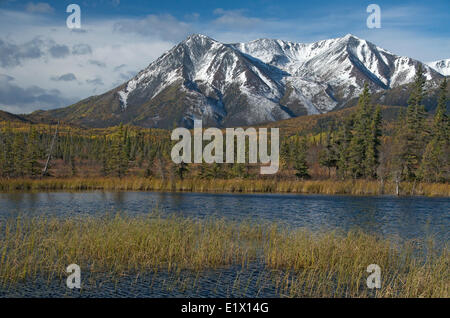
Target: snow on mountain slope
[(207, 70), (441, 66), (344, 64), (246, 83)]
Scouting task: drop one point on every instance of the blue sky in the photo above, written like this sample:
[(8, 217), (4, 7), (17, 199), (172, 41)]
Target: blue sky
[(45, 65)]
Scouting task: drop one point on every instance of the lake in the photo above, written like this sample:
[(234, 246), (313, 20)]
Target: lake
[(401, 218)]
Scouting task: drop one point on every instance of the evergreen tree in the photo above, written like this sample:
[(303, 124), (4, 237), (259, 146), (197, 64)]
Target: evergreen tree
[(373, 142), (150, 162), (203, 173), (343, 140), (32, 166), (118, 159), (359, 140), (7, 168), (239, 170), (328, 156), (412, 136), (104, 157), (435, 165), (285, 154), (73, 168), (180, 170), (18, 148), (213, 171), (300, 163)]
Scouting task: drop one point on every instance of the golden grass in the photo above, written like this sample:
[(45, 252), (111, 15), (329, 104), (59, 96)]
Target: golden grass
[(351, 187), (332, 265), (301, 263), (117, 244)]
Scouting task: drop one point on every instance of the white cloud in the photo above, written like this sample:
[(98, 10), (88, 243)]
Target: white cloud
[(165, 27), (234, 18), (105, 53), (40, 7), (39, 50), (68, 77)]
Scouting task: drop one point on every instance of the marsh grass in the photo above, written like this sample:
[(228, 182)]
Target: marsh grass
[(296, 262), (351, 187)]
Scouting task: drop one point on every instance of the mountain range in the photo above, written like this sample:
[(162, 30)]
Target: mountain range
[(249, 83)]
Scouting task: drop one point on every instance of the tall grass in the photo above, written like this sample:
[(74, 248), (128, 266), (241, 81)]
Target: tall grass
[(353, 187), (335, 265), (300, 263), (118, 244)]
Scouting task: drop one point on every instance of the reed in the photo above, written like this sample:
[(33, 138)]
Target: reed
[(330, 265), (299, 262), (330, 187), (118, 244)]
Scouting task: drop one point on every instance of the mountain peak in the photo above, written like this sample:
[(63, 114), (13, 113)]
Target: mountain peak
[(249, 83), (441, 66), (352, 36), (199, 37)]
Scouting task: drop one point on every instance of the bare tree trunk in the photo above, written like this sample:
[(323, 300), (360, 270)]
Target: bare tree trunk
[(397, 185), (45, 170), (382, 185)]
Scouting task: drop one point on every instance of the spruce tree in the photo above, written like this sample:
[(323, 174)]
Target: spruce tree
[(239, 170), (300, 163), (413, 134), (328, 157), (32, 166), (213, 171), (73, 168), (343, 140), (359, 140), (7, 168), (371, 161), (285, 154), (180, 170), (118, 159), (435, 162), (104, 157), (18, 155)]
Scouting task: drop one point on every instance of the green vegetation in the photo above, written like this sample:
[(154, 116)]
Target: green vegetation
[(436, 156), (343, 147), (301, 263)]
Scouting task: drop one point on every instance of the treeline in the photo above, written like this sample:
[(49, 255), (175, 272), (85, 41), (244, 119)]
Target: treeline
[(355, 147), (25, 150), (20, 153), (418, 150)]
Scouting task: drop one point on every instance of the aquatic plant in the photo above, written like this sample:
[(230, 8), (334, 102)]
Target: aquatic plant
[(298, 262)]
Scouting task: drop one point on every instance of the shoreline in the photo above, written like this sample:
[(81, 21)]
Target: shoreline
[(326, 187)]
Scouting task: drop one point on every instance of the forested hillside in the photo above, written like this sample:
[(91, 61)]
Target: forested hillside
[(357, 143)]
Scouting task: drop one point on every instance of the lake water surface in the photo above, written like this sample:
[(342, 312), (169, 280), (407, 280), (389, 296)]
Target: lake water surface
[(403, 218)]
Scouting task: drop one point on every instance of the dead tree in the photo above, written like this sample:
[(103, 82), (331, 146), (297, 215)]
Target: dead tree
[(45, 170)]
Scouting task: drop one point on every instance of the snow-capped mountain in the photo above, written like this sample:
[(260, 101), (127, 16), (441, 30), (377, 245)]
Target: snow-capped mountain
[(246, 83), (212, 79), (330, 72), (441, 66)]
